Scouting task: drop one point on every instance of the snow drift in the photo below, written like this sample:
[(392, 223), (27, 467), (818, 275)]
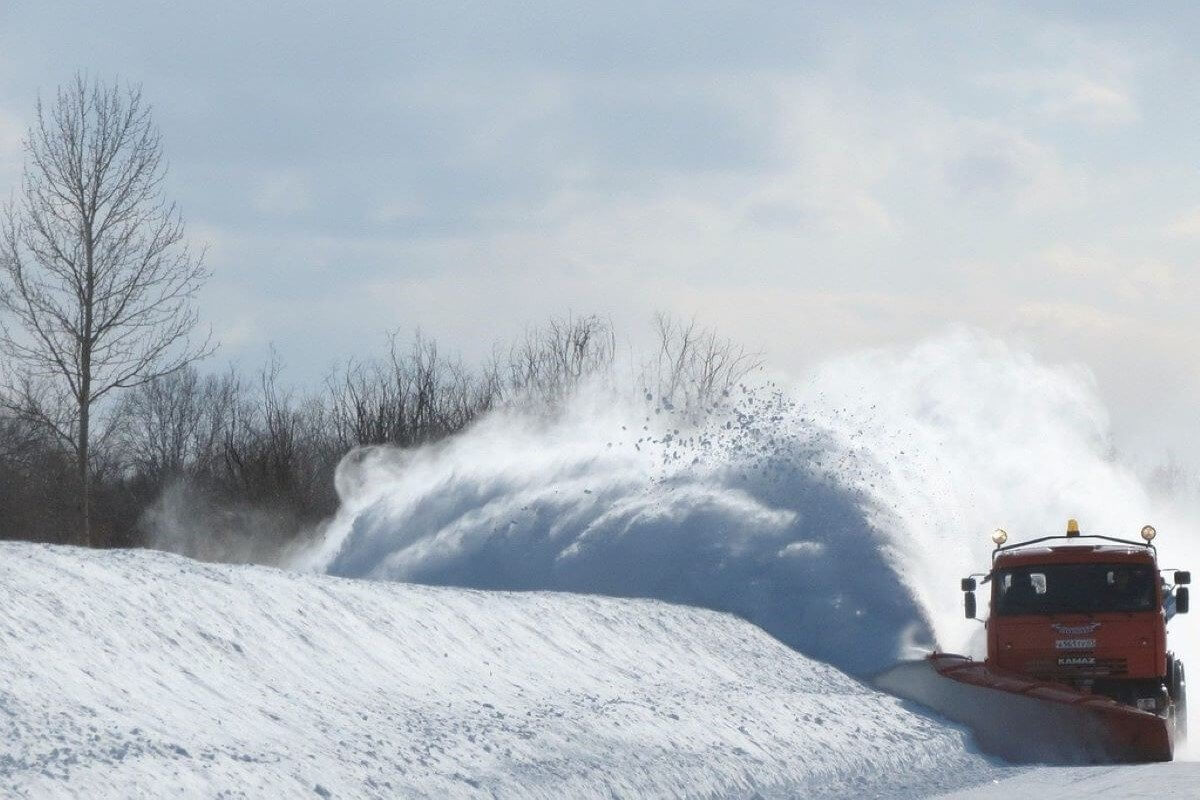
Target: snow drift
[(837, 513), (134, 673)]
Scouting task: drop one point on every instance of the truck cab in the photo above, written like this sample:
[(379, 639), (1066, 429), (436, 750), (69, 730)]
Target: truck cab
[(1089, 612)]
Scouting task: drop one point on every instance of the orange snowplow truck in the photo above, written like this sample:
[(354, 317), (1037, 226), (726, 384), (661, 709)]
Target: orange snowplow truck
[(1077, 669), (1086, 617)]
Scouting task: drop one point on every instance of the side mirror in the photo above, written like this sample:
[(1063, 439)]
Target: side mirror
[(968, 584), (1181, 601), (1183, 578), (969, 603)]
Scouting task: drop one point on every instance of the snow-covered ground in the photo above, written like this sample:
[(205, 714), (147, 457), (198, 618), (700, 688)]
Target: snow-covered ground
[(129, 674), (1149, 781)]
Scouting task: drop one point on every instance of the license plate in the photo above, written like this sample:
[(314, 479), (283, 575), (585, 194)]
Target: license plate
[(1074, 644)]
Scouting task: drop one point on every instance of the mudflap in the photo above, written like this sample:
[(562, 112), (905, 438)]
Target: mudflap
[(1028, 721)]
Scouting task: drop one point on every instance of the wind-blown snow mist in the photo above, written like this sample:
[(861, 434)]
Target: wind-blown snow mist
[(837, 513)]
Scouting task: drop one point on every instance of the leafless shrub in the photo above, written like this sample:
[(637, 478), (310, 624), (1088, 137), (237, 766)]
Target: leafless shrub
[(413, 396), (692, 366), (175, 423), (550, 362)]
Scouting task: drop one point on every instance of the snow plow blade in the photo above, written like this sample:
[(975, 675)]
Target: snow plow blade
[(1029, 721)]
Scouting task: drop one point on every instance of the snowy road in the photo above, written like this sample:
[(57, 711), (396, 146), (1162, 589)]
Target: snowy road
[(1179, 779)]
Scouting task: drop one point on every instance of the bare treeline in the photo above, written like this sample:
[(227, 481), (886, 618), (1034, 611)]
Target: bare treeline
[(109, 435), (251, 443)]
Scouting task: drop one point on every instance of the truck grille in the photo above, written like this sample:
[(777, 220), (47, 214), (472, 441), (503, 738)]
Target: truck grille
[(1078, 664)]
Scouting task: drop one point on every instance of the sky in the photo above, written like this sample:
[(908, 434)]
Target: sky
[(809, 178)]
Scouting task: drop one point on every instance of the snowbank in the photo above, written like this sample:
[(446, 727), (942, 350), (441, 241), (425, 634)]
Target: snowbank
[(130, 673)]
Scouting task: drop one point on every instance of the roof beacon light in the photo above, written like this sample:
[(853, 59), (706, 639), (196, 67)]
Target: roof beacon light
[(1148, 533), (999, 536), (1072, 528)]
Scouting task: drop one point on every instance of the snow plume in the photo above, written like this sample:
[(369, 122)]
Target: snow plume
[(184, 519), (837, 512), (738, 514)]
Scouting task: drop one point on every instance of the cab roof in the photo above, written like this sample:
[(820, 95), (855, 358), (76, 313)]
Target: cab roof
[(1022, 556)]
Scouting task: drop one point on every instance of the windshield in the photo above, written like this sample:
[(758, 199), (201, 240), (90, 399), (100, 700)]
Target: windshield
[(1074, 588)]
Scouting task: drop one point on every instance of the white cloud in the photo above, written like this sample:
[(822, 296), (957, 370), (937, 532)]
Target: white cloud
[(1074, 74), (1120, 277), (834, 158), (830, 237), (283, 193), (1055, 318), (1092, 101), (1147, 279), (1184, 226), (237, 332), (806, 198), (396, 209), (988, 165), (1068, 94), (1076, 262), (11, 136)]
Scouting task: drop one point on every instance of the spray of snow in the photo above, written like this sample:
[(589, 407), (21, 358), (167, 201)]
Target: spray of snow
[(185, 520), (837, 512)]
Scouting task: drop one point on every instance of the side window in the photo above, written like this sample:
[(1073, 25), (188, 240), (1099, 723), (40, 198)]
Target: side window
[(1038, 579)]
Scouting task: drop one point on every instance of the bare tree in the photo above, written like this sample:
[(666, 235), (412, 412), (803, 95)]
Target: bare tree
[(415, 396), (692, 366), (551, 361), (96, 279), (176, 423)]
